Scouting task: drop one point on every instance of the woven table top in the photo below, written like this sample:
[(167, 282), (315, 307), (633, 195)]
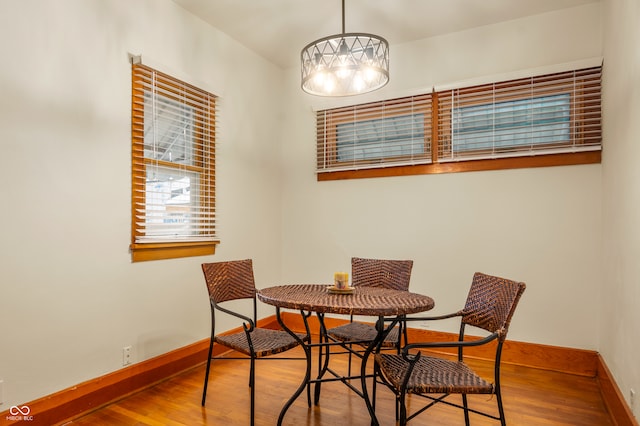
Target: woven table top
[(371, 301)]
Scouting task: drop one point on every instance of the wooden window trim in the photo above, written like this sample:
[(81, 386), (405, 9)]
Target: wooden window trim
[(549, 160), (159, 251)]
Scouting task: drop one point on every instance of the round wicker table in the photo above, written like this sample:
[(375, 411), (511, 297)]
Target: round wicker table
[(369, 301)]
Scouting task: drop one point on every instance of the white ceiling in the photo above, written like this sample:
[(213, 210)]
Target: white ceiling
[(279, 29)]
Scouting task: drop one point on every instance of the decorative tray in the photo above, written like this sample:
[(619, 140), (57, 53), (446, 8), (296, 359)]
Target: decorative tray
[(335, 290)]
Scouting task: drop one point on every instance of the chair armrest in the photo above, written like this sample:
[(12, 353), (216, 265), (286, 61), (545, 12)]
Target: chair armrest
[(454, 344), (403, 318), (434, 318), (237, 315)]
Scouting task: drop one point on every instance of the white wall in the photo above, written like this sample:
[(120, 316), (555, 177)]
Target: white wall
[(620, 295), (541, 226), (71, 298)]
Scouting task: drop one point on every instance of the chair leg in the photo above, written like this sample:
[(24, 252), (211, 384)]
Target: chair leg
[(206, 374), (376, 371), (322, 338), (309, 384), (251, 372), (252, 383), (500, 407), (466, 409), (405, 333), (400, 402), (322, 361)]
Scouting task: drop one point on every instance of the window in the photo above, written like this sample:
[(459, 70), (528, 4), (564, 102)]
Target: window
[(390, 137), (546, 120), (173, 165), (510, 125), (374, 135)]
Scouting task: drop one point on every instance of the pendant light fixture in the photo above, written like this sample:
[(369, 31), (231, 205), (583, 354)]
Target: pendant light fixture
[(345, 64)]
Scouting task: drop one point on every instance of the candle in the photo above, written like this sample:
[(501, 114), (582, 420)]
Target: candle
[(341, 280)]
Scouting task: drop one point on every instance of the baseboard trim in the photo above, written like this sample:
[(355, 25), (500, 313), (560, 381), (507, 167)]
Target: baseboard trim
[(615, 401), (70, 403)]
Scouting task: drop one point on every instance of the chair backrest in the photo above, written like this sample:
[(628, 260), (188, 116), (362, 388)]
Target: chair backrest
[(393, 274), (491, 303), (229, 280)]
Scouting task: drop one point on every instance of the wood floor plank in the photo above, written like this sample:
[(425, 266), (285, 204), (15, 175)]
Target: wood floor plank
[(531, 397)]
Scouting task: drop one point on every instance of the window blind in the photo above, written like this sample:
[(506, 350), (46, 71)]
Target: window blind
[(546, 114), (173, 160), (378, 134)]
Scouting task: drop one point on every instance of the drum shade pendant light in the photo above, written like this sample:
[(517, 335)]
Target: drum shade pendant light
[(345, 64)]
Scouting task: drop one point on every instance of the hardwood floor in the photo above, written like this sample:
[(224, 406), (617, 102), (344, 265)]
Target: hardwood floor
[(531, 397)]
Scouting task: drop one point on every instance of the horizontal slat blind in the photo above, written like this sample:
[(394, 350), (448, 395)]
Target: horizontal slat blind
[(379, 134), (173, 160), (539, 115)]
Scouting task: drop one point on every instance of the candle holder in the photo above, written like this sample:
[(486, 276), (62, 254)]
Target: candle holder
[(341, 280)]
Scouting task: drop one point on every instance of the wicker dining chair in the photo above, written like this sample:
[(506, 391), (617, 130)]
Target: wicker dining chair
[(490, 305), (234, 280), (392, 274)]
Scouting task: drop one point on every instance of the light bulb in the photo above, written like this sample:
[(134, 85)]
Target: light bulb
[(343, 72), (329, 84), (319, 77), (358, 83), (369, 74)]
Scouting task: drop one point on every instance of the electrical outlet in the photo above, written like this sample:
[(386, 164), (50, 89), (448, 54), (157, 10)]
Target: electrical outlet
[(632, 401), (126, 355), (1, 391)]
